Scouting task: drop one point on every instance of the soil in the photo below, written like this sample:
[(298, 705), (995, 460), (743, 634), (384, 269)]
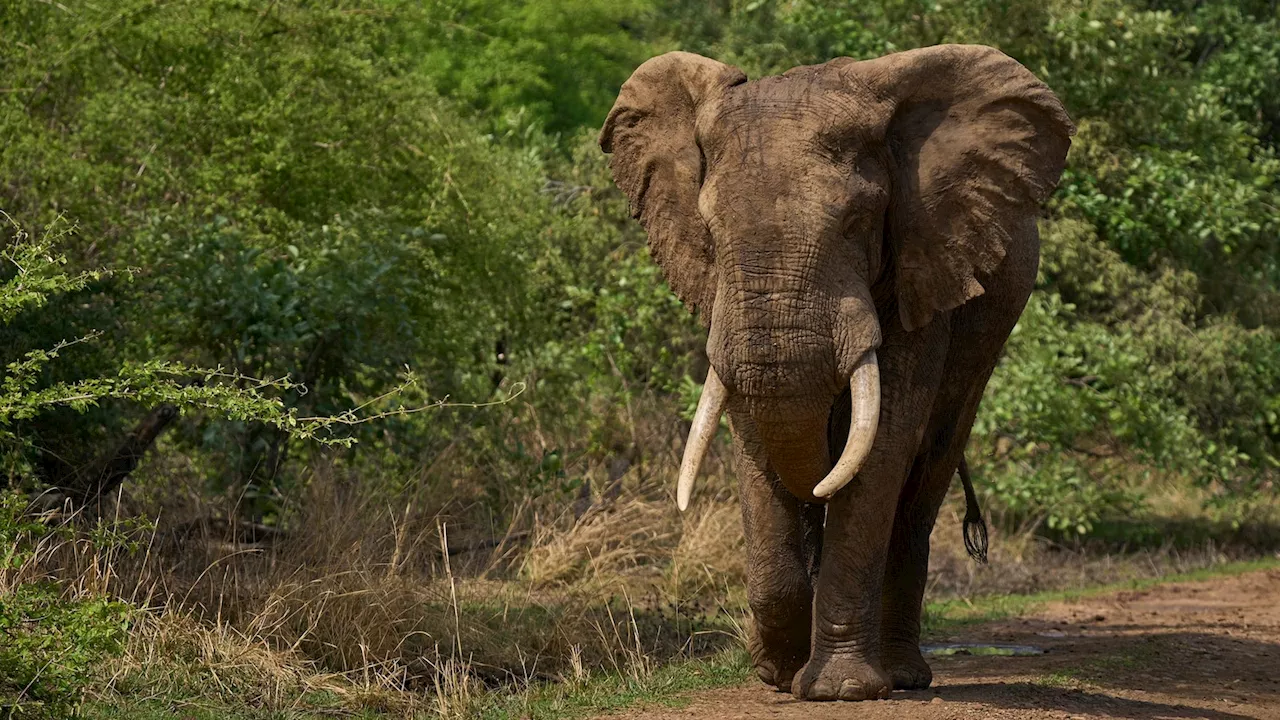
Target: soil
[(1182, 650)]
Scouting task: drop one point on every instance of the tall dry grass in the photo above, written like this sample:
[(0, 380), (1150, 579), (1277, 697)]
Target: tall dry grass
[(416, 600), (423, 599)]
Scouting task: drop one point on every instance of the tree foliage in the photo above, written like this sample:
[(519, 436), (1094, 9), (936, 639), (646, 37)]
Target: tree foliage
[(335, 191), (296, 201), (532, 64)]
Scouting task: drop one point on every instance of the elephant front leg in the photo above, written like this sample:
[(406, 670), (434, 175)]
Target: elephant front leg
[(847, 656), (783, 537), (845, 660)]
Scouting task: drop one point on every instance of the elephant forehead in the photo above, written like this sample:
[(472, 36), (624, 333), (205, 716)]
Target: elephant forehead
[(773, 189), (801, 109)]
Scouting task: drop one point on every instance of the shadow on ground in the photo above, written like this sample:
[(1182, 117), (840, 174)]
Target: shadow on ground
[(1031, 697), (1188, 650)]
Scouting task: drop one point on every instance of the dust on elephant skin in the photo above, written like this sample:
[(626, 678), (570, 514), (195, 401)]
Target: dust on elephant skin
[(859, 238)]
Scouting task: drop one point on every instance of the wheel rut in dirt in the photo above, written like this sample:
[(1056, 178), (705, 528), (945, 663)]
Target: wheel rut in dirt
[(1207, 649)]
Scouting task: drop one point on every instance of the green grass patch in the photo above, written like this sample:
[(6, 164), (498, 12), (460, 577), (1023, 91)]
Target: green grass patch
[(162, 710), (161, 707), (615, 691)]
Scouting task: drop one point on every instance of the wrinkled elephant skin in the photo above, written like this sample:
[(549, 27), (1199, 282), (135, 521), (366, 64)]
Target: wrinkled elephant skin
[(859, 238)]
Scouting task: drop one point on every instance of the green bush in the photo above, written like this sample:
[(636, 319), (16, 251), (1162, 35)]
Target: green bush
[(297, 202), (34, 272), (333, 191), (526, 65), (53, 640), (1125, 371)]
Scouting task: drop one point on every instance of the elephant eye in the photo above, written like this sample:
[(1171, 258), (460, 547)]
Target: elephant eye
[(850, 223), (866, 206)]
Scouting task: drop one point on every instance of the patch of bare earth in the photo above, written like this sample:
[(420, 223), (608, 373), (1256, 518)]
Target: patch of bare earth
[(1186, 650)]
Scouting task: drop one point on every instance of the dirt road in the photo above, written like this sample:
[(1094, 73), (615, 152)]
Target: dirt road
[(1188, 650)]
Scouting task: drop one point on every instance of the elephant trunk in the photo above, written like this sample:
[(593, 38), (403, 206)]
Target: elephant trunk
[(797, 449), (797, 444)]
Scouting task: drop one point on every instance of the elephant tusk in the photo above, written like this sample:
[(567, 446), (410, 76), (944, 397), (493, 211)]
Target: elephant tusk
[(864, 385), (705, 423)]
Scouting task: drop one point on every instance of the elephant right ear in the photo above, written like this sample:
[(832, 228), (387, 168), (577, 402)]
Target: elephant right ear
[(657, 164), (977, 144)]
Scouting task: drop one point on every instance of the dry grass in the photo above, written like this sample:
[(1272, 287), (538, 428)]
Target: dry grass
[(409, 606), (419, 603), (624, 542), (171, 653)]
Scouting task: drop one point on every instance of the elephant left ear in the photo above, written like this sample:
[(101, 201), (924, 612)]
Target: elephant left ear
[(977, 143)]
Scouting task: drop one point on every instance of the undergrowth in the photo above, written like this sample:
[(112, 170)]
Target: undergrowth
[(365, 613)]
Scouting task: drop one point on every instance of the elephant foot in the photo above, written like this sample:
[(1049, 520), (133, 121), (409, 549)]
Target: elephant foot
[(908, 669), (841, 678), (778, 653)]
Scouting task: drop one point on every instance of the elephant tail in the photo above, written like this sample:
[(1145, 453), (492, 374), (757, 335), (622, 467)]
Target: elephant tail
[(975, 527)]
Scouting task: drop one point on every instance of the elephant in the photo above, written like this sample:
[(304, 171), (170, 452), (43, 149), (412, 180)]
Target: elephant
[(858, 238)]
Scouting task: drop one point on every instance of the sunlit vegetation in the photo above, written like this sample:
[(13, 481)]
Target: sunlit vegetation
[(234, 231)]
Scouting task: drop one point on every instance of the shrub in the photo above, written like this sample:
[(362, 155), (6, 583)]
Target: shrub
[(53, 637)]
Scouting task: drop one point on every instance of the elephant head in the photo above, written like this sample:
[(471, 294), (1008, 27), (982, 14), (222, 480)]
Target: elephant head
[(800, 214)]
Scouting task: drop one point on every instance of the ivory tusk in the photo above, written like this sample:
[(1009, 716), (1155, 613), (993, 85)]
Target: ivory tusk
[(864, 386), (705, 423)]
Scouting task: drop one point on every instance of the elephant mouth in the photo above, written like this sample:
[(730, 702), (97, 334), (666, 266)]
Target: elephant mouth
[(864, 387)]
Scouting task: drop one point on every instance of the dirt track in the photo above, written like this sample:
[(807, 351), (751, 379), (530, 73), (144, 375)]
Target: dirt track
[(1188, 650)]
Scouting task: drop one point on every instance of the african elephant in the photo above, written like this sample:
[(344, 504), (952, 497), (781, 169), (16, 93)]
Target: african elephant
[(859, 238)]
